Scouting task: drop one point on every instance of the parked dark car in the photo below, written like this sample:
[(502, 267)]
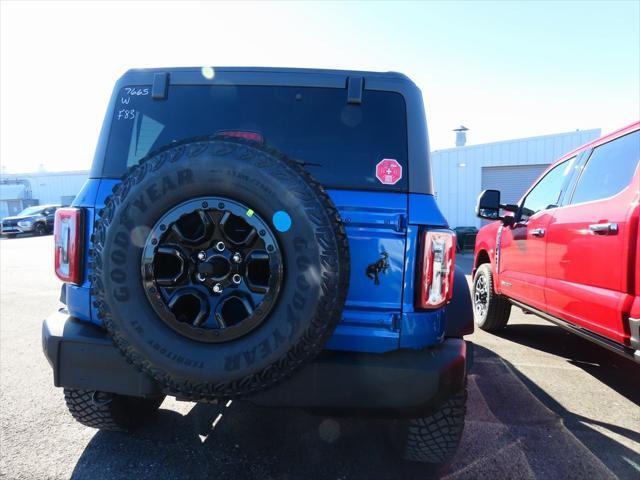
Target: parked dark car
[(36, 220), (264, 234)]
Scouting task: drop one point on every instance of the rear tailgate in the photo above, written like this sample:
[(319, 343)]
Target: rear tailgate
[(376, 225)]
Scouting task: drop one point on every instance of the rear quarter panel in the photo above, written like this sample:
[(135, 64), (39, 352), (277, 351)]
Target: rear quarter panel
[(78, 297)]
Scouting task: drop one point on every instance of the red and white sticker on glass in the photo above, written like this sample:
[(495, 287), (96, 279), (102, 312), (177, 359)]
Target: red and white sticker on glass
[(388, 171)]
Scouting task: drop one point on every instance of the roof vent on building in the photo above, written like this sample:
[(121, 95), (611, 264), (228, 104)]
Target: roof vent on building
[(461, 135)]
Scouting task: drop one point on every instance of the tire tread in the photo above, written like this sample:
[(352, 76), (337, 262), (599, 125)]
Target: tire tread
[(120, 414), (434, 439)]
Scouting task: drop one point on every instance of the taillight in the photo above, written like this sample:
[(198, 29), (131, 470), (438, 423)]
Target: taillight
[(436, 273), (256, 137), (67, 231)]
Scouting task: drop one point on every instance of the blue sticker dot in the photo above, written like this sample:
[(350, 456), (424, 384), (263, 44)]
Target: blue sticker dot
[(282, 221)]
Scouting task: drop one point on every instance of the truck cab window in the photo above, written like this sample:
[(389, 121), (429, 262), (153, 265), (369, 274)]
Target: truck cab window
[(547, 193), (609, 169)]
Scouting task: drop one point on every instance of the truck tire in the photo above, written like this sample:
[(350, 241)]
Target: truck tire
[(491, 310), (106, 411), (435, 439), (220, 267)]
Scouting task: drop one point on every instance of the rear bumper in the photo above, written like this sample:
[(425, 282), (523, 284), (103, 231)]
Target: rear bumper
[(399, 383), (406, 382), (83, 356)]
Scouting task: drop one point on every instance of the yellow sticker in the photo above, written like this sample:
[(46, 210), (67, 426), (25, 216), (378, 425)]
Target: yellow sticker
[(249, 213)]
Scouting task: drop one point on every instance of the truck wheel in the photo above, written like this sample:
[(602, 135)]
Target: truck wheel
[(220, 267), (434, 439), (491, 310), (106, 411)]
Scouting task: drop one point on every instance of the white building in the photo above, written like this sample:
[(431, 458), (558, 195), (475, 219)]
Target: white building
[(40, 188), (461, 173)]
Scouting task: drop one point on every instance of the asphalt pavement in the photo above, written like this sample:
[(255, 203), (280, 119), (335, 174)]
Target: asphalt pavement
[(542, 404)]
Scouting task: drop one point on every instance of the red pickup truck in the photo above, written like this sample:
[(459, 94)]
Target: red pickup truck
[(569, 251)]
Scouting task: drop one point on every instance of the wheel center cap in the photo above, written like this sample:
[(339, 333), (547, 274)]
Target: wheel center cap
[(216, 267)]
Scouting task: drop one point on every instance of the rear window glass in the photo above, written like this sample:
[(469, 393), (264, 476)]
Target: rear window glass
[(340, 143)]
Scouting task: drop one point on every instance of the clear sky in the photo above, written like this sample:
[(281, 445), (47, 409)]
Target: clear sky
[(504, 69)]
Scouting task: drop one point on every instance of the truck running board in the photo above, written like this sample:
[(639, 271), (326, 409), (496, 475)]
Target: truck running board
[(627, 352)]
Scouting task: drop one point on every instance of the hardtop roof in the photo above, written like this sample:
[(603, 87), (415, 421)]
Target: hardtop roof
[(275, 70), (270, 76)]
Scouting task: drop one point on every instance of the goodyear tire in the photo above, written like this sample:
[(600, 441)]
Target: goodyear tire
[(176, 273)]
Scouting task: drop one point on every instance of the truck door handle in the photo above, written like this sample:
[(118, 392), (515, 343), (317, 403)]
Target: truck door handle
[(538, 232), (604, 228)]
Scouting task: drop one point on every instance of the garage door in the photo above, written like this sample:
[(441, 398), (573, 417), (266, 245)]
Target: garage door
[(512, 180)]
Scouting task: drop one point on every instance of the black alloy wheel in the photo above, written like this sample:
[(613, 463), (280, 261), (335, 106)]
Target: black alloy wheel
[(212, 269)]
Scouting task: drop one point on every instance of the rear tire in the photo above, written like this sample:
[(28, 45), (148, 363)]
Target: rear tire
[(106, 411), (435, 439), (491, 310)]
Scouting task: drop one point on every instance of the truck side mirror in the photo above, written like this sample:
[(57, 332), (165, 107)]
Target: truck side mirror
[(488, 205)]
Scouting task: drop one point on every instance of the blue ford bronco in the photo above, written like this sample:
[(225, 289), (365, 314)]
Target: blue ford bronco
[(268, 235)]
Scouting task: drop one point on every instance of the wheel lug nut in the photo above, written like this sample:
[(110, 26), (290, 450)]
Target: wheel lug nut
[(202, 256), (237, 258), (217, 288), (236, 279), (220, 246)]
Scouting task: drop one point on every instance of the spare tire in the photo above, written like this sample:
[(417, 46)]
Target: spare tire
[(219, 267)]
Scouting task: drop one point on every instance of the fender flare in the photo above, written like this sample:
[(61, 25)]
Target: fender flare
[(459, 311)]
